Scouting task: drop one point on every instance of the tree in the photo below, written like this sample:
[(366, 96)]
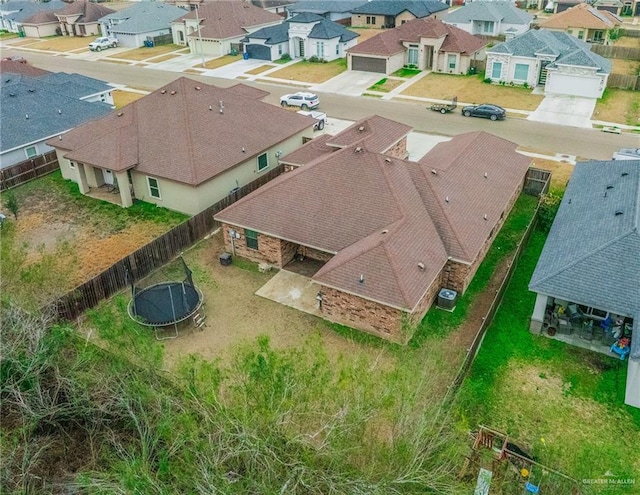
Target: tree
[(11, 203)]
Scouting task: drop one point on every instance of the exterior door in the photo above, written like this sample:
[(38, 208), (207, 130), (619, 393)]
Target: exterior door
[(301, 48), (108, 177)]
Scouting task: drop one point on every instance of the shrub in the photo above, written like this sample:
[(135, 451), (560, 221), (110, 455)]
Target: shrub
[(285, 57), (487, 80), (549, 204), (314, 60), (12, 204)]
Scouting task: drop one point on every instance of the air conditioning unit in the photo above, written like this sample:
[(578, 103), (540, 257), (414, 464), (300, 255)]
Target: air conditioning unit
[(447, 299)]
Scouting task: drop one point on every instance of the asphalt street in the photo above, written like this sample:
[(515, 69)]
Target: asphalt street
[(540, 136)]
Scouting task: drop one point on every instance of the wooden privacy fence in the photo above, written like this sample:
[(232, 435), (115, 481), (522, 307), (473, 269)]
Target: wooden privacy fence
[(27, 170), (612, 51), (151, 256), (623, 81), (537, 181)]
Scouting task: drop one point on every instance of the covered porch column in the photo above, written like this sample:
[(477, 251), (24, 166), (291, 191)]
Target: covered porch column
[(537, 318), (122, 179), (83, 184)]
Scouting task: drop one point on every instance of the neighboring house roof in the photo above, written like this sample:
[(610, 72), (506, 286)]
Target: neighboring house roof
[(379, 214), (25, 10), (144, 17), (591, 255), (565, 48), (504, 12), (178, 133), (49, 112), (89, 11), (326, 6), (582, 15), (376, 133), (39, 18), (418, 8), (228, 19), (17, 67), (74, 85), (324, 29), (390, 41)]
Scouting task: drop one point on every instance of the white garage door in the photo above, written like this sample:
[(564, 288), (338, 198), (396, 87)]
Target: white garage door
[(572, 85)]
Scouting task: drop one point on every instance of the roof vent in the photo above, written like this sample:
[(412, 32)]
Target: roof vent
[(421, 266), (243, 149), (27, 116), (447, 199), (358, 149), (486, 175), (609, 186), (387, 159), (12, 94), (485, 216), (434, 171), (120, 114), (619, 212), (163, 91), (60, 137), (210, 108), (361, 128), (31, 90), (361, 279), (221, 107), (624, 174), (173, 92), (385, 231), (198, 88), (59, 111)]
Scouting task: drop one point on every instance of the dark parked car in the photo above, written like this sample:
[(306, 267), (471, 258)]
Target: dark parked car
[(486, 110)]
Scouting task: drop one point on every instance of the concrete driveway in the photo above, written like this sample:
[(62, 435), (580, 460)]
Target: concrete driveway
[(574, 111), (350, 82)]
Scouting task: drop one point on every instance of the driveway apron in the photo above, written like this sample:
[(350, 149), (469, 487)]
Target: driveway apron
[(573, 111), (351, 82)]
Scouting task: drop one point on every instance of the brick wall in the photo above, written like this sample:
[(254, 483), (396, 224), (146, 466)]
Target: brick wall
[(426, 301), (270, 249), (398, 150), (362, 314), (315, 254)]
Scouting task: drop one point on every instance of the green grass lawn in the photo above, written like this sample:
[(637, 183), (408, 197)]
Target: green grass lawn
[(565, 405)]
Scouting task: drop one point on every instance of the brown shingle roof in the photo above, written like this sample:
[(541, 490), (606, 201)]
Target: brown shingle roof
[(228, 19), (460, 166), (344, 202), (377, 133), (89, 11), (390, 41), (308, 152), (178, 133), (42, 17), (584, 16), (16, 67)]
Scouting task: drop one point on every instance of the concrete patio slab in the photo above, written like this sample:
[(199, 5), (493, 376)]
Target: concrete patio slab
[(293, 290)]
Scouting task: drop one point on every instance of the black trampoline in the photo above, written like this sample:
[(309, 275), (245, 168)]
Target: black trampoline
[(166, 303)]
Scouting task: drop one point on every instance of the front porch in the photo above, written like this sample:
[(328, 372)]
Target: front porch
[(106, 192)]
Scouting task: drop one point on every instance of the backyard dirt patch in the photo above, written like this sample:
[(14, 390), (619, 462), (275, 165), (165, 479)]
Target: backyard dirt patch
[(628, 41), (628, 67), (471, 89), (311, 72), (144, 53)]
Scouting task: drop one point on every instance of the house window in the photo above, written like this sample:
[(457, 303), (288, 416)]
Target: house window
[(263, 162), (521, 72), (487, 27), (154, 187), (31, 151), (580, 35), (371, 19), (412, 55), (337, 48), (251, 237), (280, 49), (598, 36), (451, 61), (320, 49), (496, 70)]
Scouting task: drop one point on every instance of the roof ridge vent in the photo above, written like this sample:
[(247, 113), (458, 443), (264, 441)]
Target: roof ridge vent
[(163, 91), (358, 149), (120, 114), (361, 128), (174, 92), (447, 199), (619, 212), (387, 159), (421, 265), (624, 174), (434, 171), (609, 186)]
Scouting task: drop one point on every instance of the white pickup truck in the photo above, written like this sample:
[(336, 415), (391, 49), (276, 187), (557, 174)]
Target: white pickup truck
[(321, 118), (103, 43)]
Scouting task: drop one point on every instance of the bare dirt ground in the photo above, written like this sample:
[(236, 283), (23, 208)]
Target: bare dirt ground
[(619, 105), (629, 67), (311, 72), (87, 241)]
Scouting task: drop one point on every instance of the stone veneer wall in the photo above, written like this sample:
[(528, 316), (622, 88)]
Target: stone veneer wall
[(426, 301), (362, 314), (270, 250), (398, 150)]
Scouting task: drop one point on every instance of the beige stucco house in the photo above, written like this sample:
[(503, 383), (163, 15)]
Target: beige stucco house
[(81, 18), (215, 28), (388, 14), (585, 23), (389, 233), (184, 147)]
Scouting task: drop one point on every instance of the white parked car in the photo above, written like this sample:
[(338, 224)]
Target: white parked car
[(301, 99), (103, 43)]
